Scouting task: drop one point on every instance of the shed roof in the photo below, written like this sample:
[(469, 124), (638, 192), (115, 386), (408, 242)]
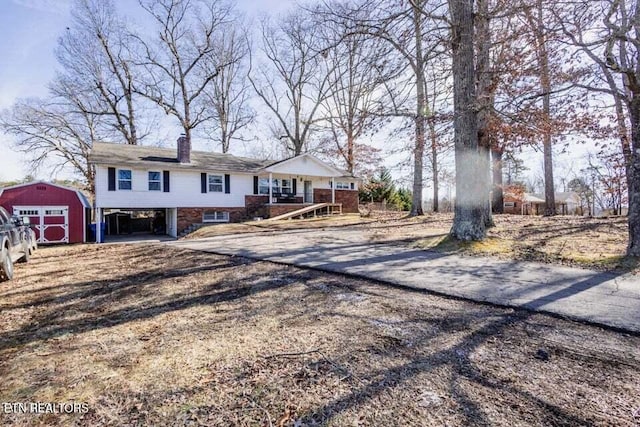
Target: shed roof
[(83, 199)]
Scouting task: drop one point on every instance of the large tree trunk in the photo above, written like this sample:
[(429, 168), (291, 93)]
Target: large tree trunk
[(545, 85), (498, 187), (468, 221), (350, 154), (485, 98), (434, 164), (418, 152), (634, 189)]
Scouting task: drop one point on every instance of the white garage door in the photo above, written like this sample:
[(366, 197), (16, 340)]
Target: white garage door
[(51, 223)]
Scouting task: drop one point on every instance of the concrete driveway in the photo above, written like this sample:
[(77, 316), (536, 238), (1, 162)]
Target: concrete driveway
[(603, 298)]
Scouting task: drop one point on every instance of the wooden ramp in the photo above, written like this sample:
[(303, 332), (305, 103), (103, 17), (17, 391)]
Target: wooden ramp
[(315, 210)]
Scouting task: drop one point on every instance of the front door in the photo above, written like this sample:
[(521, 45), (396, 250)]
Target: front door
[(308, 192)]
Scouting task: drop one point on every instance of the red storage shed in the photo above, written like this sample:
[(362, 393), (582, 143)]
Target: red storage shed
[(58, 214)]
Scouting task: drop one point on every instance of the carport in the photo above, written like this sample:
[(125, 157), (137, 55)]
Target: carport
[(136, 223)]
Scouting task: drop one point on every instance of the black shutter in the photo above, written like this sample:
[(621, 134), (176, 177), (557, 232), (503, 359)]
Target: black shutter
[(255, 185), (203, 182), (294, 186), (165, 183), (227, 183), (112, 179)]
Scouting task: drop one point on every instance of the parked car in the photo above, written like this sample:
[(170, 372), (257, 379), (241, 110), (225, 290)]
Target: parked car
[(30, 236), (15, 243)]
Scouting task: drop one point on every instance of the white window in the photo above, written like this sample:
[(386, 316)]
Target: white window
[(154, 181), (509, 204), (29, 212), (342, 185), (286, 186), (278, 186), (54, 212), (263, 186), (216, 184), (124, 179), (215, 216)]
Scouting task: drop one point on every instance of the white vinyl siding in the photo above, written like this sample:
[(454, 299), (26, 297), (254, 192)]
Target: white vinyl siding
[(185, 191)]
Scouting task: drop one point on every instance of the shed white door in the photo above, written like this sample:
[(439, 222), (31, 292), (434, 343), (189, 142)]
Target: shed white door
[(51, 223)]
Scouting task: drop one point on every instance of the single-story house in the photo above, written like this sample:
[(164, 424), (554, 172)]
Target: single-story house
[(180, 188), (58, 214), (567, 203)]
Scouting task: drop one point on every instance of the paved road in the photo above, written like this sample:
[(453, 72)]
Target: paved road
[(582, 294)]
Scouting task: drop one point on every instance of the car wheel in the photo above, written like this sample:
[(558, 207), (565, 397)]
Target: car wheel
[(27, 255), (6, 268)]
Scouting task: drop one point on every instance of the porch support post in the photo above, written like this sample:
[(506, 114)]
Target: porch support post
[(270, 187), (333, 190), (98, 225)]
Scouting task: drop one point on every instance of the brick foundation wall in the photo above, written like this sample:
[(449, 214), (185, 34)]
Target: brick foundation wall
[(348, 198), (255, 206), (189, 216), (275, 210)]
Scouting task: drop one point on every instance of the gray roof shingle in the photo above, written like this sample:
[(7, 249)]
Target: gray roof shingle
[(122, 154)]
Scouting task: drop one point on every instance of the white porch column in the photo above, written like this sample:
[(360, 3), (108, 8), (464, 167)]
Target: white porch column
[(333, 190), (98, 225), (270, 187)]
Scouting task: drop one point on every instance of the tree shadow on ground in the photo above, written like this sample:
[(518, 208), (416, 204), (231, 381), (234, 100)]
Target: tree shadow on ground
[(128, 298)]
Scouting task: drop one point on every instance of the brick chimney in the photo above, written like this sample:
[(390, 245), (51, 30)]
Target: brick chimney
[(184, 149)]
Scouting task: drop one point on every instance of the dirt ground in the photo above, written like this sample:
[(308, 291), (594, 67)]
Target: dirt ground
[(148, 335), (596, 243)]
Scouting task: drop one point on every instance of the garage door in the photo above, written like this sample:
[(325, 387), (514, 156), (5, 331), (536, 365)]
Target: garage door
[(50, 223)]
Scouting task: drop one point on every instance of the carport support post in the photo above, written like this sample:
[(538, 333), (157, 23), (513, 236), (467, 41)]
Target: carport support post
[(333, 190), (270, 187), (98, 225)]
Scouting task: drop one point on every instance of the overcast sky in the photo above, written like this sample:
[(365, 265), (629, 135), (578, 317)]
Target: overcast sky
[(29, 30)]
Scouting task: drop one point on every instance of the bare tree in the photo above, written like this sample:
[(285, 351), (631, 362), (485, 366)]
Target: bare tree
[(357, 70), (95, 55), (58, 132), (578, 21), (293, 79), (229, 92), (180, 65), (620, 33), (536, 19), (413, 30)]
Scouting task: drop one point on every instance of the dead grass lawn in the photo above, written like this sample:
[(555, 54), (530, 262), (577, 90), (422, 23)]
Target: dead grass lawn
[(149, 335)]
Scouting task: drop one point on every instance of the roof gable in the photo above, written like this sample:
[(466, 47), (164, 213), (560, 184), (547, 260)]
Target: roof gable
[(305, 164)]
